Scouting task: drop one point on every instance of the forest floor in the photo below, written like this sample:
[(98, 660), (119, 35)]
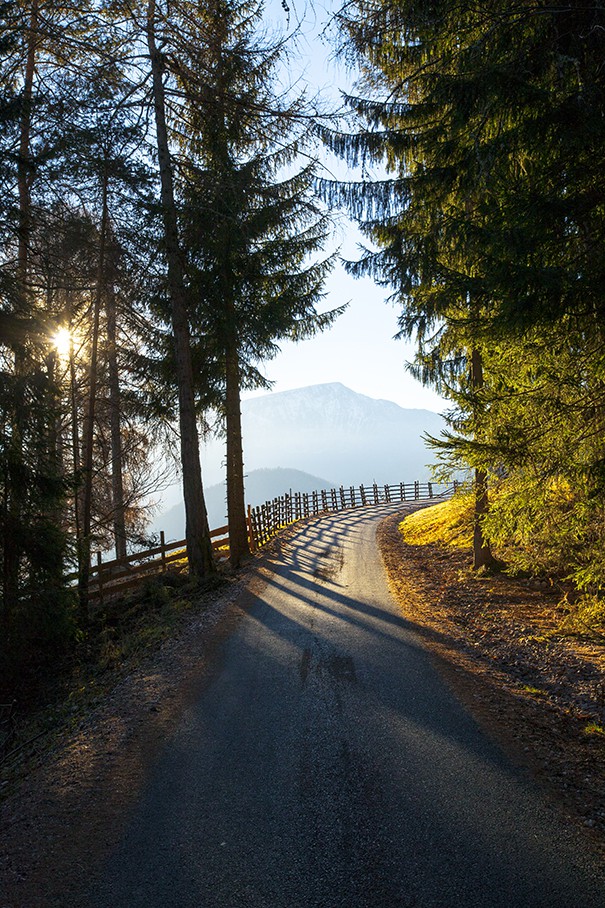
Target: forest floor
[(496, 640)]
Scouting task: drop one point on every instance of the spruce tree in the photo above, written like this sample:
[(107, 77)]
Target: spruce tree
[(488, 120), (199, 549), (252, 221)]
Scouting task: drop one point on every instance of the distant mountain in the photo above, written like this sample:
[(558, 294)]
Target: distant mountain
[(329, 430), (261, 486), (325, 430)]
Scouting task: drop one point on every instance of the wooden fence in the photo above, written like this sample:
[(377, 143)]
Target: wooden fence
[(112, 578), (270, 517)]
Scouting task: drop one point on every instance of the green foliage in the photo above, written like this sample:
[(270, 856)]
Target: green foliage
[(489, 120), (584, 617), (251, 221), (251, 225), (65, 125), (593, 729)]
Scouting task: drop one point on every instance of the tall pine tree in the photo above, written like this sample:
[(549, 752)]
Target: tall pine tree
[(253, 224)]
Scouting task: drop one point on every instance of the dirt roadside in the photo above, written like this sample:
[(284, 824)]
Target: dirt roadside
[(539, 695)]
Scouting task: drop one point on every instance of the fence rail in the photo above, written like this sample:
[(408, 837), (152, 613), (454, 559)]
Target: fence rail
[(268, 519), (112, 578)]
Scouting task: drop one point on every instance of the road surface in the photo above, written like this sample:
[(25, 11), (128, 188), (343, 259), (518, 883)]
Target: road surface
[(327, 765)]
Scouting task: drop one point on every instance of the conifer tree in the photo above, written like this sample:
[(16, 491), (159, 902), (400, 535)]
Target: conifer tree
[(33, 490), (252, 221), (199, 549), (481, 116), (55, 71)]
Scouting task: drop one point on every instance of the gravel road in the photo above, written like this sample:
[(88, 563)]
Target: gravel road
[(327, 765)]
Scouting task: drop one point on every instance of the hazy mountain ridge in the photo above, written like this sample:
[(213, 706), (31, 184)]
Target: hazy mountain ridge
[(330, 430), (323, 431), (331, 404)]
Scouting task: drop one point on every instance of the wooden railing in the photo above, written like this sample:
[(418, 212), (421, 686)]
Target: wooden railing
[(268, 519), (118, 576), (112, 578)]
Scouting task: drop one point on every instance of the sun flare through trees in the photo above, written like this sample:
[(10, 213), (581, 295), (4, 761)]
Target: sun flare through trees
[(163, 221)]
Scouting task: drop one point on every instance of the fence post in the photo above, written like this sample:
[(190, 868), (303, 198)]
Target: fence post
[(334, 499), (324, 500), (387, 494), (342, 497), (163, 552), (305, 504), (430, 489), (353, 502), (251, 537), (315, 504), (100, 577), (362, 493), (259, 524), (416, 489)]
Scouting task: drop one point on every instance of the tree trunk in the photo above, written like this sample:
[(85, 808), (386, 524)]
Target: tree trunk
[(199, 548), (53, 431), (482, 556), (84, 546), (14, 491), (24, 164), (115, 419), (75, 430), (239, 546)]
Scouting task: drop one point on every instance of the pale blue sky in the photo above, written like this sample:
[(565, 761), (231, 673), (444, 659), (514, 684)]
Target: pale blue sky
[(359, 350)]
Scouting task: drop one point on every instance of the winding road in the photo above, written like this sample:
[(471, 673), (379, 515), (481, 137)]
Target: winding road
[(327, 765)]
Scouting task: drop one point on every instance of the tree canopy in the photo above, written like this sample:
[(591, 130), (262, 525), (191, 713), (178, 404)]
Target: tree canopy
[(488, 228), (153, 222)]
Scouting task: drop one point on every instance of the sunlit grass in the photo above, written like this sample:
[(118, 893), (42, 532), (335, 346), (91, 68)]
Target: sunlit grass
[(594, 730), (533, 691), (449, 523)]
